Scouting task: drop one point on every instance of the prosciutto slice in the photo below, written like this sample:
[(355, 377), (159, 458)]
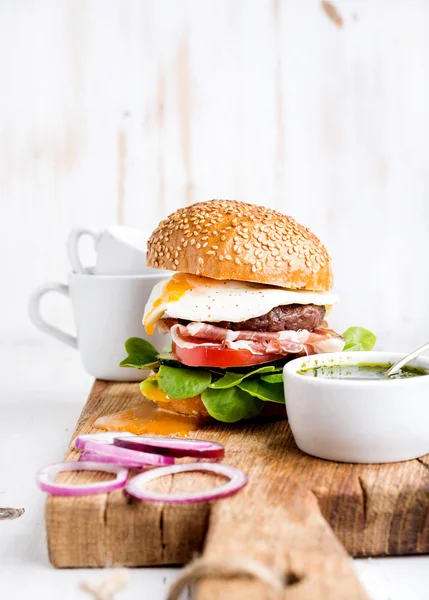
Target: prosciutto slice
[(191, 335)]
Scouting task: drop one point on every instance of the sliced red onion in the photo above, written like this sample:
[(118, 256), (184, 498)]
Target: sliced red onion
[(90, 456), (171, 446), (135, 487), (46, 479), (124, 456), (104, 437)]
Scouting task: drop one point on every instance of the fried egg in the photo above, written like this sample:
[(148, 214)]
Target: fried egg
[(193, 298)]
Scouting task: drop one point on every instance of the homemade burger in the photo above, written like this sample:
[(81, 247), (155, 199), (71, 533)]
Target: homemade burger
[(250, 291)]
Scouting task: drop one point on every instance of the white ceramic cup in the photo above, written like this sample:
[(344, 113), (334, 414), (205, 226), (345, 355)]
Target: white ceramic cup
[(120, 250), (107, 311), (358, 421)]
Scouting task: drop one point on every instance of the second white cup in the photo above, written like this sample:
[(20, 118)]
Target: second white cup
[(120, 250)]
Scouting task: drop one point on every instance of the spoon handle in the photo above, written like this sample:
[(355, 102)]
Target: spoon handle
[(398, 366)]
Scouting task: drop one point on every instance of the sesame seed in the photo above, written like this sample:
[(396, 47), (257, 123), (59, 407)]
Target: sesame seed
[(237, 261), (205, 244), (228, 257), (211, 252), (215, 247), (220, 256)]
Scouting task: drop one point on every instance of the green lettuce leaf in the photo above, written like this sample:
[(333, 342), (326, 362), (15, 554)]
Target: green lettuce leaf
[(269, 392), (273, 378), (141, 354), (230, 379), (183, 383), (231, 404), (359, 338), (166, 358)]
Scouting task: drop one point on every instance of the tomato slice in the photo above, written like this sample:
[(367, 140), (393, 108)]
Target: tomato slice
[(208, 356)]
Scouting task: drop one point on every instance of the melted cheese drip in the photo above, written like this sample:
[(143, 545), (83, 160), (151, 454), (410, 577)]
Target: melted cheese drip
[(172, 292)]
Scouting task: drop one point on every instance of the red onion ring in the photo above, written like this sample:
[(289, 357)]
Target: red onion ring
[(124, 456), (90, 456), (171, 446), (105, 437), (135, 487), (46, 479)]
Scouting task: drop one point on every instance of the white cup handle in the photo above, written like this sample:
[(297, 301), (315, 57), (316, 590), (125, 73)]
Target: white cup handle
[(37, 319), (73, 247)]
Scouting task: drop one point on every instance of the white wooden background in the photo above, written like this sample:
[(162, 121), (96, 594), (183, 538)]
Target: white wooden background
[(121, 111)]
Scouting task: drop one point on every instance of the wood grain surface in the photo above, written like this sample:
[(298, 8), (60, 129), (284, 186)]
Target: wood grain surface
[(280, 518)]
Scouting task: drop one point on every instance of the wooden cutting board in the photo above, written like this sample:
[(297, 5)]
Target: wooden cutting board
[(281, 517)]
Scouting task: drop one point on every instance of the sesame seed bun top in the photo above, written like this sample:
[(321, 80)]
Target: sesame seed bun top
[(226, 239)]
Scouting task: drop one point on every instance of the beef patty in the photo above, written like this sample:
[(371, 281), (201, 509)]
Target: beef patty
[(290, 316)]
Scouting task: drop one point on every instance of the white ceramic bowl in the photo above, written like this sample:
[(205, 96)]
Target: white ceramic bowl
[(359, 421)]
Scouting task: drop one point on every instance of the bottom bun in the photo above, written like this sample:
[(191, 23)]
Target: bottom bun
[(189, 407), (194, 407)]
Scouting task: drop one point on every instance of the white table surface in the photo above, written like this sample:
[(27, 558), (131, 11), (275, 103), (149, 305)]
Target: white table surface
[(43, 389)]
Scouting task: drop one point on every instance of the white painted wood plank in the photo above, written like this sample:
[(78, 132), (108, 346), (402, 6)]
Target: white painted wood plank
[(122, 111)]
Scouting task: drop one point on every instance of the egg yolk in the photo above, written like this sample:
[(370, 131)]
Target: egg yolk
[(147, 418), (140, 421), (178, 285), (149, 388)]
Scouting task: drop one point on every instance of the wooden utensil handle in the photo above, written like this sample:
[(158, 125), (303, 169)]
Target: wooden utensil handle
[(286, 532)]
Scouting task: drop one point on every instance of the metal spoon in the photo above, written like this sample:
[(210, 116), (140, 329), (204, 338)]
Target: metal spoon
[(398, 366)]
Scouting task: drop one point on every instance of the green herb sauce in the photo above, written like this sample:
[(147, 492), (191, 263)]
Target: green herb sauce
[(361, 371)]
